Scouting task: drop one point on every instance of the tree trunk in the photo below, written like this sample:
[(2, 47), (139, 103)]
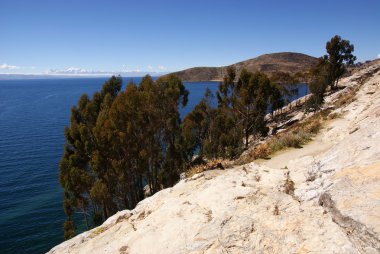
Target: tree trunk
[(105, 211), (246, 140), (84, 214)]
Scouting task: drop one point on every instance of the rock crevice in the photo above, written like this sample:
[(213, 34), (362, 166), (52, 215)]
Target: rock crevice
[(364, 239)]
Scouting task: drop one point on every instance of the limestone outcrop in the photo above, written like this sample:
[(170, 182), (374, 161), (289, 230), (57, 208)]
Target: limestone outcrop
[(323, 198)]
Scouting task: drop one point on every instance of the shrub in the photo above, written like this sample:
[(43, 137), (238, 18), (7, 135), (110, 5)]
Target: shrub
[(261, 151), (209, 165), (276, 210), (294, 137), (289, 186), (334, 115), (345, 98)]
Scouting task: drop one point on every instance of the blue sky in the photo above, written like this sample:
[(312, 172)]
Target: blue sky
[(37, 36)]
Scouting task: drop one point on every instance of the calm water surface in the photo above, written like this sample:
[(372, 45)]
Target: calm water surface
[(33, 114)]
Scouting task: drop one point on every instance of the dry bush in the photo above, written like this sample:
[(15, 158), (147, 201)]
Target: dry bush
[(313, 123), (333, 115), (289, 186), (209, 165), (196, 170), (346, 98), (261, 151), (97, 231), (295, 136), (276, 211), (300, 133), (312, 127)]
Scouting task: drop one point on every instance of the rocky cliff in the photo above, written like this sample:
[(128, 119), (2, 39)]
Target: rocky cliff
[(332, 205)]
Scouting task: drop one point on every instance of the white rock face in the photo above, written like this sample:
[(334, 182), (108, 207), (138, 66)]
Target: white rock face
[(335, 207)]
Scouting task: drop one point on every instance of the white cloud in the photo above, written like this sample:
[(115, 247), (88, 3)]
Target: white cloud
[(71, 70), (125, 68), (78, 71), (124, 71), (162, 68), (378, 56), (8, 67)]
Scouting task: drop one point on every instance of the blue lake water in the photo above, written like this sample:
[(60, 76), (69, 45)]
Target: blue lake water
[(33, 113)]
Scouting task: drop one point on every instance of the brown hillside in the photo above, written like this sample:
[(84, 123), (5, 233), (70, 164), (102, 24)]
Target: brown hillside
[(268, 63)]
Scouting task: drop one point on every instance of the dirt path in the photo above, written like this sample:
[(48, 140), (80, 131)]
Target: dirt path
[(318, 145)]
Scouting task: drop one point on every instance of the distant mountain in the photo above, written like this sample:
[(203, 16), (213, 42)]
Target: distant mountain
[(58, 75), (289, 62), (85, 72)]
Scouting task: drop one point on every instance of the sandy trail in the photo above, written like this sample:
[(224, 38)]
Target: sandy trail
[(320, 144)]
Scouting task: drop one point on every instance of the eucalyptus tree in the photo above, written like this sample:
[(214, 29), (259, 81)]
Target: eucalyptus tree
[(196, 126), (339, 56), (241, 110), (76, 176), (329, 69), (254, 92), (171, 96)]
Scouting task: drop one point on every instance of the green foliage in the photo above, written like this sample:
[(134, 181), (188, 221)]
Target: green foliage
[(69, 231), (317, 88), (319, 84), (97, 219), (196, 126), (294, 139), (296, 136), (119, 140), (329, 70), (339, 56), (225, 93), (285, 78), (242, 105)]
